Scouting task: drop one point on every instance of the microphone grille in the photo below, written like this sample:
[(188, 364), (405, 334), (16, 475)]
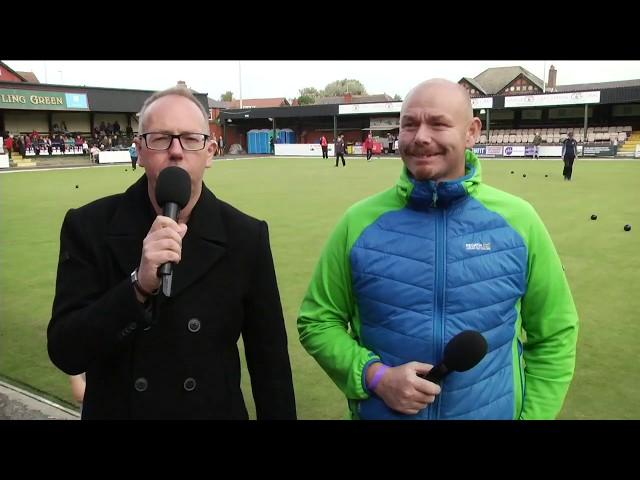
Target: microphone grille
[(173, 185), (464, 351)]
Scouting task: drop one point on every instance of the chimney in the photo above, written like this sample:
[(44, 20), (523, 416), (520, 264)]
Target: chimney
[(348, 97), (551, 84)]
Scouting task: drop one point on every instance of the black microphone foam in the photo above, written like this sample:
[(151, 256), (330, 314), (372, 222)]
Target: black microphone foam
[(462, 353), (173, 186), (173, 190)]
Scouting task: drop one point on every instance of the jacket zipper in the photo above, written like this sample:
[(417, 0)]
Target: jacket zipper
[(438, 313)]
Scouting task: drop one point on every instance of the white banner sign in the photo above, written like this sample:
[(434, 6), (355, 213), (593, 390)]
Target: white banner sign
[(573, 98), (302, 149), (117, 156), (637, 154), (4, 161), (370, 108), (484, 102), (494, 150)]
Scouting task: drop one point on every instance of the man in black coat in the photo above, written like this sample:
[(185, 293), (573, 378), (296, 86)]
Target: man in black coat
[(147, 356)]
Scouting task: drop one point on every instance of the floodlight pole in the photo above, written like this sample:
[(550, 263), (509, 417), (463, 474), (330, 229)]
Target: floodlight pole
[(584, 132), (240, 81)]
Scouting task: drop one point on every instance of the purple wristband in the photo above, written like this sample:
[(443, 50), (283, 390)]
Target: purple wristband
[(377, 377)]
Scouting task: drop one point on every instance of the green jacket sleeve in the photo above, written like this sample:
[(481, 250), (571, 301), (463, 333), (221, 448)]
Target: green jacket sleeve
[(327, 324), (550, 321)]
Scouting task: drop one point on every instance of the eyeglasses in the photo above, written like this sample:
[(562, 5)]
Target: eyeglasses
[(162, 141)]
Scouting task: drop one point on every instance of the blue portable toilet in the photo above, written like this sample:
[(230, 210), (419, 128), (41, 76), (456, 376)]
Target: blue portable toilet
[(253, 141), (290, 135), (265, 140), (282, 136)]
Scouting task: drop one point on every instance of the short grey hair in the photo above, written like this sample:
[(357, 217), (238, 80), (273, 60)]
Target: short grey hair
[(177, 90)]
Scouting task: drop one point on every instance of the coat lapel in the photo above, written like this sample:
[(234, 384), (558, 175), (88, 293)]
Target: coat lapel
[(203, 245), (129, 225)]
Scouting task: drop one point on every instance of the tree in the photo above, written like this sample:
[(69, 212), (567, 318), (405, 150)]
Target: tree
[(308, 95), (397, 97), (227, 96), (341, 87), (306, 100)]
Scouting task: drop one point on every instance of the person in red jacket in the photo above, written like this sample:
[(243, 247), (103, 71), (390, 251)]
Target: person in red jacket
[(368, 145), (8, 145), (325, 146)]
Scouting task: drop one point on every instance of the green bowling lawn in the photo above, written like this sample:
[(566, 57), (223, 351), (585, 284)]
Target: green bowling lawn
[(302, 199)]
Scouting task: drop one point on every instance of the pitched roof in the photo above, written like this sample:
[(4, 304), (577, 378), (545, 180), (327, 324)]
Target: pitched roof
[(473, 82), (7, 67), (495, 79), (29, 77), (216, 103)]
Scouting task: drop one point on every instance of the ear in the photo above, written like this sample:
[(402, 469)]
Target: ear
[(210, 152), (141, 160), (473, 132)]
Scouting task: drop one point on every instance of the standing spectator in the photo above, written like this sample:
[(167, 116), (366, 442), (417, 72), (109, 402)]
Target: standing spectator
[(95, 152), (340, 149), (133, 152), (368, 145), (8, 145), (537, 140), (569, 153), (85, 147), (614, 144), (221, 145), (390, 141), (116, 127), (49, 145), (20, 146), (216, 150), (325, 146)]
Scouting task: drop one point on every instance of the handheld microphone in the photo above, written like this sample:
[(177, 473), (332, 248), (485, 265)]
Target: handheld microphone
[(173, 190), (462, 353)]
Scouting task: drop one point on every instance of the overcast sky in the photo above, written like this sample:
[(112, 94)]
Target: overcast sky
[(261, 79)]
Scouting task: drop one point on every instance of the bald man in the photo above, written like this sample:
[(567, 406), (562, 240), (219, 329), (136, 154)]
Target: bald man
[(439, 253)]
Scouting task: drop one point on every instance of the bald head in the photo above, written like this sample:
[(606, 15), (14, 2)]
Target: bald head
[(456, 96), (436, 128)]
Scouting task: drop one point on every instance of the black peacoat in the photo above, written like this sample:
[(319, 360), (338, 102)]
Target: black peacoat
[(176, 358)]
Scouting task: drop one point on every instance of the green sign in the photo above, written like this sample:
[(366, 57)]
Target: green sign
[(40, 100)]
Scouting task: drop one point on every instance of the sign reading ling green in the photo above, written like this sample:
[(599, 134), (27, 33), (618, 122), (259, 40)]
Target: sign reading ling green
[(40, 100)]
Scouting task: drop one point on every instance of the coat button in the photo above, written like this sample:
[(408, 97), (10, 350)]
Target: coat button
[(193, 325), (190, 384), (141, 384)]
